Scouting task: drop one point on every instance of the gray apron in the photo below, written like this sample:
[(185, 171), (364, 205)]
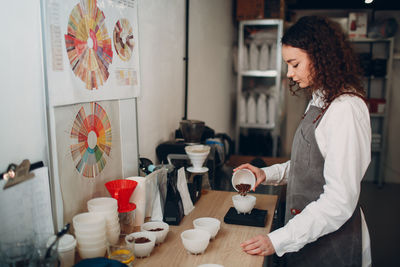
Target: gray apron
[(305, 184)]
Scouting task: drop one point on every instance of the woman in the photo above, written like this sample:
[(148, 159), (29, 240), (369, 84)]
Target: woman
[(324, 225)]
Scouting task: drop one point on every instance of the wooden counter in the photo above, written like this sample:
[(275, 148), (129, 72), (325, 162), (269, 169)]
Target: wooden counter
[(225, 248)]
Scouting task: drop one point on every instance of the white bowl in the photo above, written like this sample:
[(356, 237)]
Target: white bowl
[(108, 215), (160, 235), (105, 204), (90, 238), (195, 240), (143, 249), (197, 154), (243, 176), (113, 232), (112, 225), (82, 243), (89, 222), (243, 204), (90, 231), (86, 253), (113, 236), (209, 224)]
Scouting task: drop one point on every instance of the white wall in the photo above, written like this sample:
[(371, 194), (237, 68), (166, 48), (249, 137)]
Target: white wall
[(162, 48), (22, 101), (211, 79)]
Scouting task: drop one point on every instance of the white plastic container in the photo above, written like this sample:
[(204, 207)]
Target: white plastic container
[(264, 57), (251, 109), (254, 55), (242, 108), (262, 109), (271, 110), (66, 249)]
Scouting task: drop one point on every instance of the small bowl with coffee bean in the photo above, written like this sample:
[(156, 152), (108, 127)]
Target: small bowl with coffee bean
[(158, 228), (243, 181), (144, 243)]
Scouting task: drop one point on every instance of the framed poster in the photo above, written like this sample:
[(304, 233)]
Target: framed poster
[(91, 50), (88, 152)]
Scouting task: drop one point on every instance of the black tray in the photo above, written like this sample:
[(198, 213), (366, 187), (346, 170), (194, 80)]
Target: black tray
[(257, 217)]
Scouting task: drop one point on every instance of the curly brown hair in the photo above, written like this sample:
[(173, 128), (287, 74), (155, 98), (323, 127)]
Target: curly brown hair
[(335, 67)]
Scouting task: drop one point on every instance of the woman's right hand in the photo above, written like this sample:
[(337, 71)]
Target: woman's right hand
[(260, 174)]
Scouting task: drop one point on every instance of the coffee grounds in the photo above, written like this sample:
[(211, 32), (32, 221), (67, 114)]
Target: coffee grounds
[(156, 229), (243, 189), (141, 240)]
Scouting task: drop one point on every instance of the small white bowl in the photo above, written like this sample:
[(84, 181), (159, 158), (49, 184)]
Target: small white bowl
[(113, 225), (108, 215), (86, 253), (160, 235), (89, 222), (209, 224), (195, 241), (90, 236), (243, 176), (142, 249), (244, 204), (90, 232), (91, 245), (113, 236), (104, 204)]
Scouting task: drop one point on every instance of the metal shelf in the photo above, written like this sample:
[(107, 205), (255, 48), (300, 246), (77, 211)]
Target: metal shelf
[(376, 77), (377, 115), (275, 26), (257, 126), (259, 73), (370, 40), (386, 87)]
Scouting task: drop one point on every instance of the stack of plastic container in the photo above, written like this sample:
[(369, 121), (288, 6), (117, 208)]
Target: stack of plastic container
[(90, 233), (107, 207)]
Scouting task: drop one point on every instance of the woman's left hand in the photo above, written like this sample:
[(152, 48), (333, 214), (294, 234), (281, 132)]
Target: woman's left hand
[(258, 245)]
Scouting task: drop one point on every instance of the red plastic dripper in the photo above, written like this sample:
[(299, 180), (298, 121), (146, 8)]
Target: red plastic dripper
[(121, 190)]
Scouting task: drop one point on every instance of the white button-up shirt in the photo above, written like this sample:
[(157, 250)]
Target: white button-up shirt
[(344, 139)]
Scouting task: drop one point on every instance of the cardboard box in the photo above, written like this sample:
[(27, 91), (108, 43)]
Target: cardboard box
[(260, 9), (249, 9), (358, 25)]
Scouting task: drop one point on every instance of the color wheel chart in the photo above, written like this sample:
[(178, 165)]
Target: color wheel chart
[(92, 138), (123, 39), (88, 44)]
